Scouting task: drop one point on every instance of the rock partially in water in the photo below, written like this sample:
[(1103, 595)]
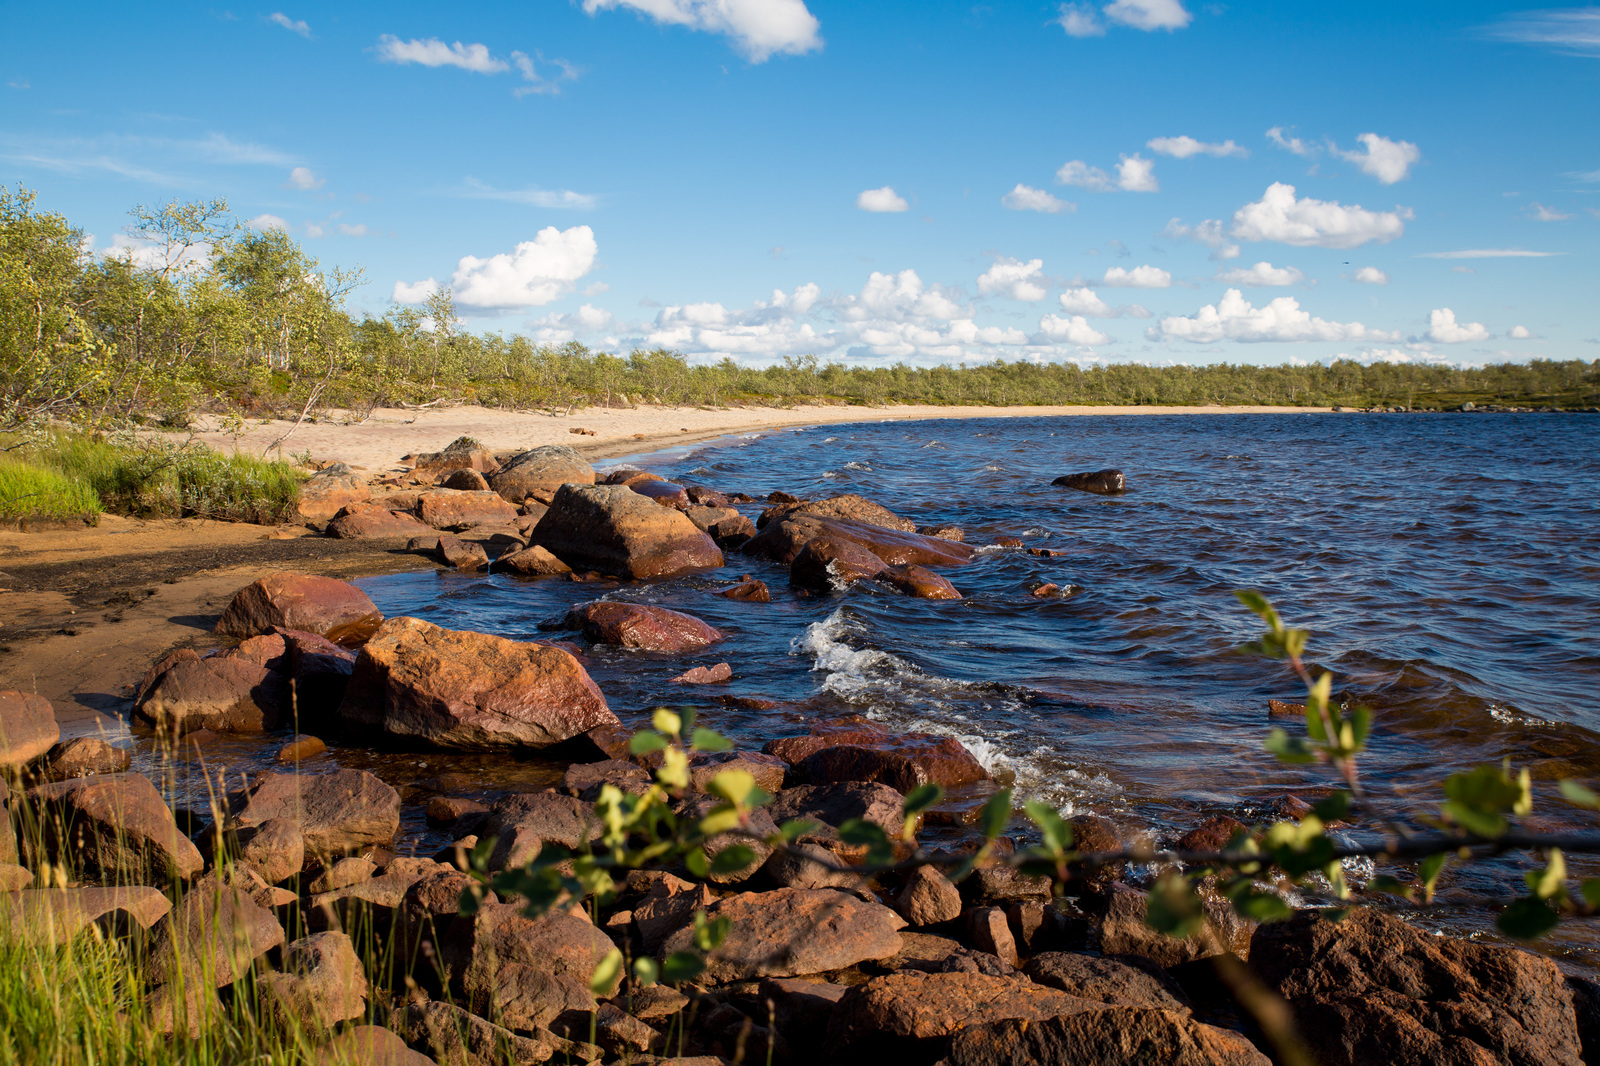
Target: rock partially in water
[(851, 506), (534, 561), (920, 582), (325, 606), (663, 492), (792, 931), (900, 760), (337, 813), (749, 589), (944, 532), (82, 756), (1103, 482), (113, 828), (704, 675), (725, 525), (1110, 1036), (470, 691), (827, 563), (320, 672), (241, 690), (301, 746), (615, 530), (452, 551), (540, 472), (783, 538), (636, 625), (28, 727)]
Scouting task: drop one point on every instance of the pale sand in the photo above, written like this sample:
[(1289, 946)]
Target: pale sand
[(378, 443)]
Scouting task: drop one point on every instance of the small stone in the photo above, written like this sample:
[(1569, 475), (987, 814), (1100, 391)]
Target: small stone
[(275, 848), (928, 898), (748, 589), (343, 874), (448, 810), (704, 675), (991, 932), (301, 747), (82, 756)]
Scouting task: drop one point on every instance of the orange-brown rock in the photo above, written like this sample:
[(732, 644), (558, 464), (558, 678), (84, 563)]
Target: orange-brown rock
[(370, 521), (540, 472), (456, 689), (1109, 1036), (463, 453), (615, 530), (465, 480), (663, 492), (458, 510), (321, 605), (704, 675), (748, 589), (320, 671), (336, 813), (243, 690), (524, 971), (636, 625), (531, 562), (705, 496), (629, 476), (783, 538), (329, 491), (920, 582), (1123, 930), (899, 760), (851, 506), (829, 563), (114, 828), (725, 525), (791, 931), (28, 727)]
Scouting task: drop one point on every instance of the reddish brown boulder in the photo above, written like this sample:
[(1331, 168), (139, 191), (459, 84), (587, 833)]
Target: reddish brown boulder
[(320, 672), (370, 521), (329, 491), (322, 605), (212, 936), (28, 727), (1213, 834), (856, 508), (336, 813), (833, 805), (463, 453), (61, 913), (457, 1038), (466, 481), (523, 972), (275, 848), (452, 551), (902, 760), (783, 538), (704, 675), (242, 690), (370, 1045), (540, 472), (663, 492), (586, 779), (944, 532), (826, 564), (321, 984), (919, 581), (473, 691), (615, 530), (531, 562), (1123, 931), (1117, 981), (458, 510), (928, 898), (1373, 988), (766, 769), (792, 931), (724, 525), (1111, 1036), (636, 625), (748, 589), (82, 756), (114, 828), (523, 823)]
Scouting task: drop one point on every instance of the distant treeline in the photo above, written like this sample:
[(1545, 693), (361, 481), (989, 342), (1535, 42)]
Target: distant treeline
[(204, 315)]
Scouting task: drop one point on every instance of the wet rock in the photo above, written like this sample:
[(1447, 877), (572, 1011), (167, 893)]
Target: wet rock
[(1122, 931), (457, 510), (463, 453), (1103, 482), (1046, 589), (629, 476), (584, 780), (1214, 834), (1112, 1036), (448, 810), (792, 931), (1118, 981), (464, 481), (748, 589), (57, 914), (615, 530), (237, 691), (470, 691), (451, 551), (455, 1038), (911, 1015), (531, 562), (636, 625), (329, 491), (1283, 709), (941, 761), (524, 972), (724, 525), (833, 805), (327, 607), (856, 508), (704, 675), (28, 727), (991, 933), (301, 746), (705, 496), (944, 532), (540, 472), (320, 985), (319, 671), (920, 582), (826, 564), (783, 538), (212, 936), (82, 756), (664, 493), (114, 828), (370, 1045), (338, 812), (928, 898), (1373, 988), (1009, 542), (768, 770), (274, 848), (370, 521)]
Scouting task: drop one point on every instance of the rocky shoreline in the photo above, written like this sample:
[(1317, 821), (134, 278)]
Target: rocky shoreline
[(273, 890)]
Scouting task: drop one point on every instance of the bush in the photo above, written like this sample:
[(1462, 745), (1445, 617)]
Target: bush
[(31, 490)]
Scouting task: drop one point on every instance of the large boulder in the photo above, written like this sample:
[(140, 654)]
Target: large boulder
[(856, 508), (663, 492), (114, 828), (336, 813), (330, 490), (1372, 988), (540, 472), (241, 690), (463, 453), (28, 727), (531, 562), (212, 936), (470, 691), (637, 625), (724, 525), (524, 822), (900, 760), (834, 805), (325, 606), (522, 972), (1113, 1036), (1122, 930), (792, 931), (456, 510), (83, 756), (1117, 981), (372, 521), (1102, 482), (784, 537), (827, 564), (613, 529), (320, 672)]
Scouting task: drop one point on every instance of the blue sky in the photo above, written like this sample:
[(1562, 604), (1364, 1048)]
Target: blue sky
[(1134, 180)]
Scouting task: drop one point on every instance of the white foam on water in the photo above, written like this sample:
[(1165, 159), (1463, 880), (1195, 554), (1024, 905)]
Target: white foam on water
[(830, 473), (829, 440), (853, 465)]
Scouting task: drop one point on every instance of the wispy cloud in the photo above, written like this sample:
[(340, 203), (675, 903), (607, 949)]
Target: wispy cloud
[(1541, 213), (533, 196), (292, 25), (1487, 253), (1082, 20), (124, 155), (759, 29), (1574, 31), (432, 52)]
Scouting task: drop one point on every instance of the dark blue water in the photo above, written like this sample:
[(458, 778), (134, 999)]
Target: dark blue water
[(1448, 568)]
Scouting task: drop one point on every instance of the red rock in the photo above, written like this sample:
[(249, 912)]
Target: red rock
[(827, 563), (1122, 981), (321, 605), (724, 525), (1110, 1036), (329, 491), (61, 913), (991, 933), (768, 770), (834, 805), (338, 812), (585, 780), (452, 551), (1281, 709), (212, 936), (1009, 542), (634, 625), (1123, 931), (448, 810), (704, 496), (1103, 482), (117, 829), (321, 984), (301, 747), (366, 521), (465, 480), (28, 727), (919, 581), (1046, 590), (615, 530), (82, 756), (1046, 553), (663, 492), (748, 589), (1214, 834), (232, 692), (907, 758), (783, 538), (540, 472), (531, 562), (370, 1045), (705, 675), (458, 510), (630, 477), (945, 532), (791, 931), (524, 972), (320, 672), (463, 453), (928, 898), (470, 691), (851, 506)]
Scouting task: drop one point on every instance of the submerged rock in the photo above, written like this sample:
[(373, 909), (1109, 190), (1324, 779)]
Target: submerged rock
[(615, 530), (325, 606), (826, 563), (920, 582), (663, 492), (749, 589), (82, 756), (899, 760), (1103, 482), (783, 538), (635, 625)]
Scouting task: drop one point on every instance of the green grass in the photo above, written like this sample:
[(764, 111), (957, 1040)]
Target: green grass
[(33, 490)]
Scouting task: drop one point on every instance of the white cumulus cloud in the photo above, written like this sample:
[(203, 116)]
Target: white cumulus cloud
[(305, 179), (433, 52), (1134, 174), (1233, 318), (759, 28), (899, 297), (414, 292), (1149, 14), (1444, 329), (1027, 198), (1262, 276), (1370, 276), (266, 221), (1080, 20), (1074, 329), (882, 200), (292, 25), (536, 273), (1388, 161), (1015, 280), (1140, 277), (1290, 144), (1522, 333), (1085, 302), (1184, 147), (1279, 216), (1208, 233)]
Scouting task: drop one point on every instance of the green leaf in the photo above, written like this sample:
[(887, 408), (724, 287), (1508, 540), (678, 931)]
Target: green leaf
[(722, 818), (1428, 871), (1258, 605), (478, 858), (732, 859), (709, 933), (1589, 887), (1288, 749), (695, 859), (1527, 919), (862, 832), (996, 813), (644, 743), (704, 739), (681, 966), (920, 799), (1580, 795), (646, 971), (687, 715), (1549, 883), (1263, 907), (604, 980), (795, 828), (1174, 909), (732, 785), (1361, 719), (666, 721), (1055, 830), (1480, 798), (1332, 807)]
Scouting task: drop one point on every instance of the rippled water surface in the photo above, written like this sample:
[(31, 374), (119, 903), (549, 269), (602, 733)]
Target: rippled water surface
[(1448, 568)]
